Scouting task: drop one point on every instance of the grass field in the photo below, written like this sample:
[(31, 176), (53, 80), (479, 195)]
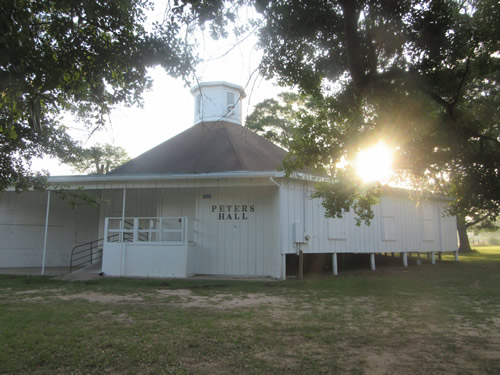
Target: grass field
[(426, 319)]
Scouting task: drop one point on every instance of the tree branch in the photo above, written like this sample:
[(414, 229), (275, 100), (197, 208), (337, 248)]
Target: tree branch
[(474, 222), (351, 16), (462, 82)]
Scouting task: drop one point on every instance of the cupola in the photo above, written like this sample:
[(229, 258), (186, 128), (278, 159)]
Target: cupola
[(218, 101)]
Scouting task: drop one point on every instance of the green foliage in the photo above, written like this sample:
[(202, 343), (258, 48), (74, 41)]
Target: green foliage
[(84, 57), (77, 197), (304, 125), (99, 159), (342, 195), (275, 119), (421, 76), (486, 225)]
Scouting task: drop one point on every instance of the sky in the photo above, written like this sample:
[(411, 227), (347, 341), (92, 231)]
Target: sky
[(169, 106)]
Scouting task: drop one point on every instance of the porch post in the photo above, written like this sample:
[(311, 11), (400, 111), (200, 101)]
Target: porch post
[(45, 235), (122, 237)]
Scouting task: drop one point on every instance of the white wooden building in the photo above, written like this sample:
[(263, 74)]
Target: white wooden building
[(209, 201)]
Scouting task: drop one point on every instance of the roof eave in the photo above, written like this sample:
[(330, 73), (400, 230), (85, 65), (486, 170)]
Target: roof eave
[(159, 177)]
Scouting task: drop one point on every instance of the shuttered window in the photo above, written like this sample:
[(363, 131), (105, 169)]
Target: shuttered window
[(336, 229), (428, 224), (197, 107), (230, 101), (388, 219)]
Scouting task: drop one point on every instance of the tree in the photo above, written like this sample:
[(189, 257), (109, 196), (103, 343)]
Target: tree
[(275, 119), (99, 159), (80, 56), (289, 122), (485, 226), (422, 75)]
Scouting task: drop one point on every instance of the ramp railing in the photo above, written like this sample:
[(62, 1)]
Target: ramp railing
[(91, 252)]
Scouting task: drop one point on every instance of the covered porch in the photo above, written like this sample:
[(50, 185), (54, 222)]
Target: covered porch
[(190, 227), (147, 247)]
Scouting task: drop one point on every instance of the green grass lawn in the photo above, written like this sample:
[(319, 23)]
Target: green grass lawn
[(421, 320)]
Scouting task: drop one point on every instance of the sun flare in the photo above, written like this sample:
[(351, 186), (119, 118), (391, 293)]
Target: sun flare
[(375, 163)]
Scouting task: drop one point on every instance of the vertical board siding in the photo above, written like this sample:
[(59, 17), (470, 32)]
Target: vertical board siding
[(222, 247), (399, 225), (22, 229), (238, 247), (251, 247)]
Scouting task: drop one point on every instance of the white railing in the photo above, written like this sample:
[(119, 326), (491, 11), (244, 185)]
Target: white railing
[(146, 229)]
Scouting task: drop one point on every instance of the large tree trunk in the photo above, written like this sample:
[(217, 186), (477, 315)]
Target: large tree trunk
[(462, 235)]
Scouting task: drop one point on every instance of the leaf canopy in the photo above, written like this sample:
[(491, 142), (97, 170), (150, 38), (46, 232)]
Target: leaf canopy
[(80, 56)]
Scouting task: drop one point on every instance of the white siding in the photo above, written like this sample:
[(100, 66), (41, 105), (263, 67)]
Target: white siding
[(247, 243), (242, 245), (399, 225), (22, 226)]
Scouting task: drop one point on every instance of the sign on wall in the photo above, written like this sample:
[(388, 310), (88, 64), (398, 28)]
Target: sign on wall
[(233, 211)]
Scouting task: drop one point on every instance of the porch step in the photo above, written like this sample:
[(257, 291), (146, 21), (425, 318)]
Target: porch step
[(90, 272)]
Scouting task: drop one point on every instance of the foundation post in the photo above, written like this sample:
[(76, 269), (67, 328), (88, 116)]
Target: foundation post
[(456, 256), (405, 259), (301, 265), (433, 257), (335, 264), (372, 261), (283, 267)]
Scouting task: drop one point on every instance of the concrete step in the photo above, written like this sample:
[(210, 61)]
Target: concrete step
[(90, 272)]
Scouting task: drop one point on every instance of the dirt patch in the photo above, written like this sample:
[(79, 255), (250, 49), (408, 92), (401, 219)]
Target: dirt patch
[(34, 299), (174, 292), (98, 297), (33, 291), (209, 286), (221, 301)]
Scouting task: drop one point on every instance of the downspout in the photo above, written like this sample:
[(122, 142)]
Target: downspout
[(274, 182)]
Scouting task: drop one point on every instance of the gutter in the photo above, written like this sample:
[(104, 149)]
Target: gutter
[(156, 177)]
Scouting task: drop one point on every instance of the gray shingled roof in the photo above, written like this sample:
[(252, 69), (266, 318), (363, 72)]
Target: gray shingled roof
[(208, 147)]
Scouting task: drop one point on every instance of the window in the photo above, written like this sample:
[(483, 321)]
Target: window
[(230, 101), (389, 223), (197, 106), (336, 229), (388, 228), (428, 224)]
